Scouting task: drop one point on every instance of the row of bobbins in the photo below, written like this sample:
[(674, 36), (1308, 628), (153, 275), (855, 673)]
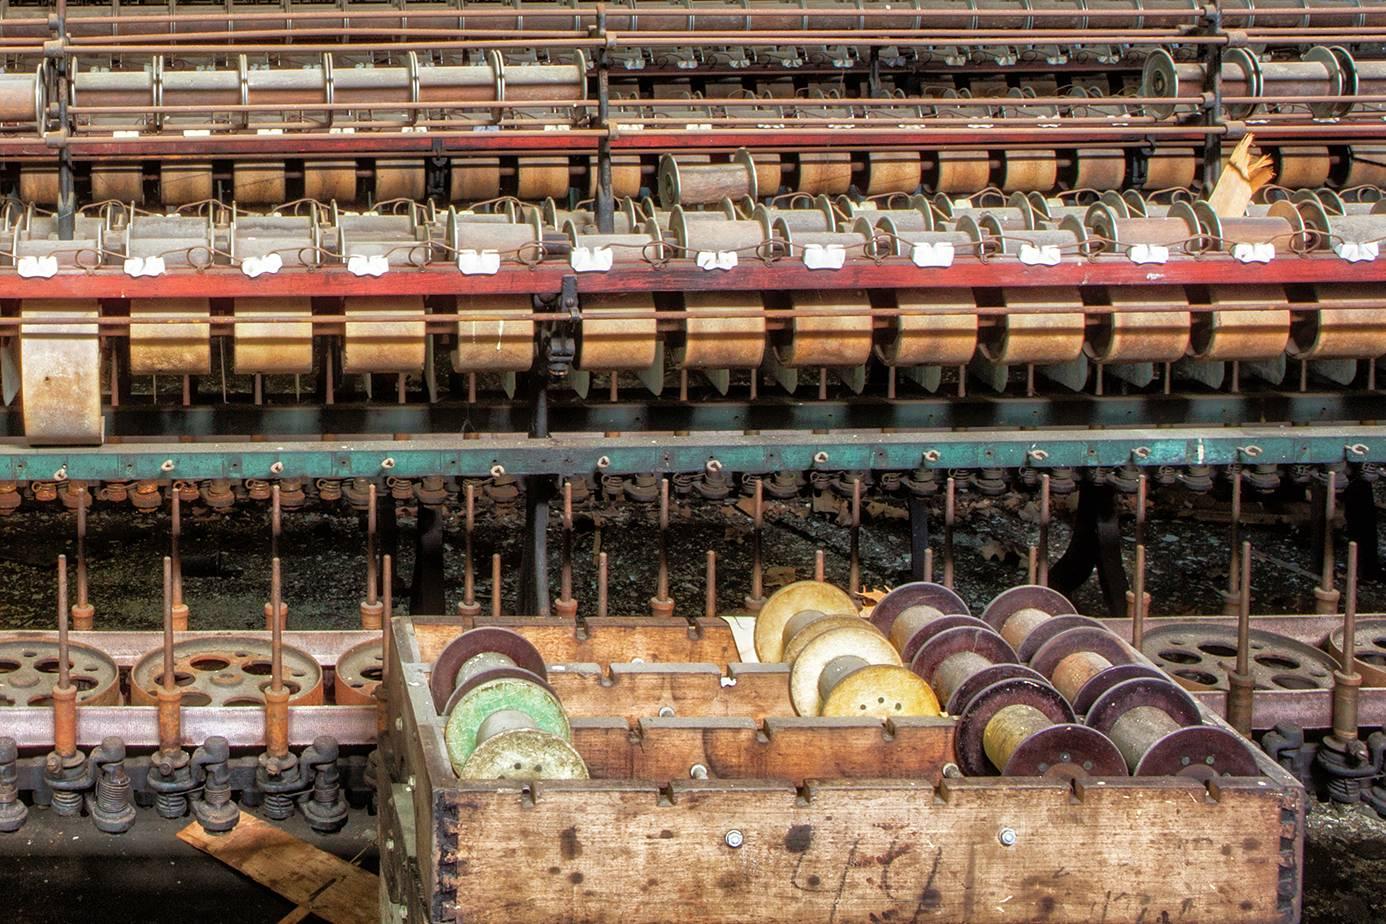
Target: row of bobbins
[(840, 664), (503, 720), (1011, 720), (1155, 724)]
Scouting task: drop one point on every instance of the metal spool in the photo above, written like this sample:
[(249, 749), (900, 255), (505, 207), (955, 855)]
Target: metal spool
[(1244, 334), (1339, 333), (474, 179), (274, 347), (948, 659), (357, 673), (1023, 727), (1160, 335), (1158, 728), (1370, 650), (1318, 73), (934, 339), (681, 181), (507, 723), (1281, 226), (824, 172), (787, 602), (493, 346), (330, 180), (818, 218), (227, 670), (1076, 659), (159, 348), (834, 656), (497, 648), (1162, 76), (1039, 337), (29, 672), (182, 183), (892, 172), (1111, 222), (259, 182), (1198, 655), (912, 606), (384, 346), (1029, 615), (60, 372)]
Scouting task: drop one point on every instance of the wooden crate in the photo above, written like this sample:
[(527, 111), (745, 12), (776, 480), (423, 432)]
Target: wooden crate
[(836, 820)]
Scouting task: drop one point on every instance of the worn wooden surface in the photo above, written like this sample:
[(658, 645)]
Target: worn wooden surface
[(320, 883), (864, 851), (794, 749), (614, 639), (637, 691)]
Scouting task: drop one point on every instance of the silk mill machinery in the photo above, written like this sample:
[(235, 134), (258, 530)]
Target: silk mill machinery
[(481, 307)]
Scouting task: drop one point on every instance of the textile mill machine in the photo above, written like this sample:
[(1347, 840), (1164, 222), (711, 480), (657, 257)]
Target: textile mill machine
[(477, 287)]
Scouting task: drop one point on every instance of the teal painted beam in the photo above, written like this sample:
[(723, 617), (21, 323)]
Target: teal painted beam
[(451, 456)]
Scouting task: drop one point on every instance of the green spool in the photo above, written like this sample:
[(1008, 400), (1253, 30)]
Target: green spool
[(492, 696)]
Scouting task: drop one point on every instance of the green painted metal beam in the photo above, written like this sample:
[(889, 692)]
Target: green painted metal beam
[(839, 450)]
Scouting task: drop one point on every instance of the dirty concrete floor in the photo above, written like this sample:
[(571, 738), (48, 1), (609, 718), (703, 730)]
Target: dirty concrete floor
[(227, 567)]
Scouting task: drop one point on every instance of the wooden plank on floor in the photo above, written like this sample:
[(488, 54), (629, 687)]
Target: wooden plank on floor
[(319, 882)]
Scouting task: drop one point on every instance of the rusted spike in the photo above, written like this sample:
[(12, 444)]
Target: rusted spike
[(276, 629), (167, 678), (1042, 551), (495, 585), (565, 606), (757, 596), (854, 540), (929, 565), (468, 606), (949, 512), (662, 605), (1031, 565), (820, 565), (64, 694), (1326, 595), (1241, 688), (601, 584), (710, 584), (1138, 601), (83, 613)]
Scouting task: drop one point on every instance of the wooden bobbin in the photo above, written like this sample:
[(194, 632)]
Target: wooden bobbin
[(769, 174), (38, 184), (616, 344), (470, 655), (1039, 337), (686, 182), (723, 343), (182, 183), (935, 338), (951, 658), (1019, 612), (493, 346), (1021, 726), (158, 348), (626, 176), (824, 172), (539, 177), (1339, 333), (1098, 168), (1245, 334), (1366, 166), (330, 180), (475, 179), (787, 602), (826, 340), (960, 171), (1159, 730), (60, 372), (399, 179), (1304, 167), (1027, 170), (121, 182), (283, 347), (384, 346), (1170, 168), (913, 613), (258, 182), (893, 172), (1076, 657)]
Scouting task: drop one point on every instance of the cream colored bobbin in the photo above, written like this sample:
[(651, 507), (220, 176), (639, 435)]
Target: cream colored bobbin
[(274, 347), (1036, 337), (476, 179), (1304, 168), (182, 183), (1100, 169), (617, 344), (399, 179), (1170, 168), (60, 372), (828, 340), (626, 176), (790, 600), (1245, 334), (493, 346), (523, 754), (121, 182), (540, 177), (769, 173), (962, 171), (723, 343), (825, 172), (1159, 335), (813, 625), (259, 182), (862, 641), (880, 691), (383, 346), (173, 349), (1366, 166), (932, 339), (330, 180), (892, 172)]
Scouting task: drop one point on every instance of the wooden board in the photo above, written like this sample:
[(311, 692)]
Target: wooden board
[(863, 851), (321, 883), (613, 639), (637, 691)]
